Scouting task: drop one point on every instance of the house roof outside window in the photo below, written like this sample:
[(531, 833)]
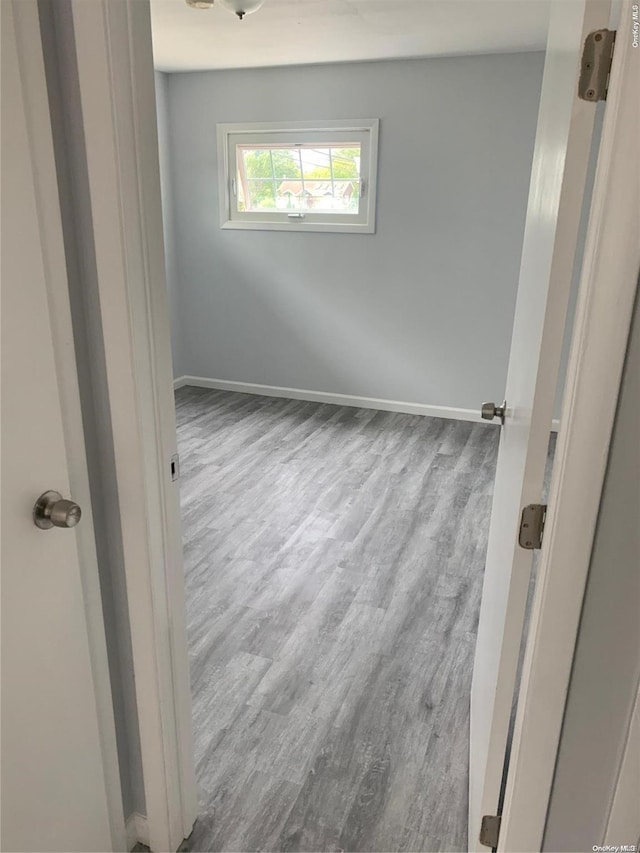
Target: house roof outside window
[(317, 189)]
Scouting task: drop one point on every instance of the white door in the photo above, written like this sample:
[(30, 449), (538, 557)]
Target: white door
[(563, 141), (54, 771)]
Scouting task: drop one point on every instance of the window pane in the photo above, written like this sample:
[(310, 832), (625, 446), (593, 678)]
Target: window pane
[(316, 163), (346, 162), (345, 198), (260, 195), (257, 162), (290, 195), (286, 163), (323, 179), (328, 197)]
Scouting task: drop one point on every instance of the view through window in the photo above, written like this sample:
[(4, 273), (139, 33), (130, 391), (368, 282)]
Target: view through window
[(300, 178)]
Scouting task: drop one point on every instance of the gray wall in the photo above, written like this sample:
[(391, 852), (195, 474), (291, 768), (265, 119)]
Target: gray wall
[(606, 667), (419, 312)]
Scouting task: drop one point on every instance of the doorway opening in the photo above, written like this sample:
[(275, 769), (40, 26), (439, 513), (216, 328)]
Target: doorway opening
[(334, 554), (335, 538)]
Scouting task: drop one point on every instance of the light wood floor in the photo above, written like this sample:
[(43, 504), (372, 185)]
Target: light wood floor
[(334, 560)]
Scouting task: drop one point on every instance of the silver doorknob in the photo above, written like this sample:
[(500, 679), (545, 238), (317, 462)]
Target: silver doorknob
[(52, 510), (489, 411)]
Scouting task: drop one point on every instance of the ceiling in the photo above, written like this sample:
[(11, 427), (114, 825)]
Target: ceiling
[(295, 32)]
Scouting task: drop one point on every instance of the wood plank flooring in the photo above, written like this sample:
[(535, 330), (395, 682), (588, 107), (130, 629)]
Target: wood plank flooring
[(334, 560)]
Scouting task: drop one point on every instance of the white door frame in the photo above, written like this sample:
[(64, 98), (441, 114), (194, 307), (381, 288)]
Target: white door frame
[(115, 72), (115, 86), (601, 329), (564, 136)]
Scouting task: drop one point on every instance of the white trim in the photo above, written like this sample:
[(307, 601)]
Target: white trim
[(357, 402), (605, 304), (117, 98), (137, 830), (297, 226), (327, 397), (363, 223), (321, 125)]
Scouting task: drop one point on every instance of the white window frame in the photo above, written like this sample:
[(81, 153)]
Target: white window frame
[(363, 131)]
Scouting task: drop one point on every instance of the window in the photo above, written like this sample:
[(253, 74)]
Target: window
[(318, 176)]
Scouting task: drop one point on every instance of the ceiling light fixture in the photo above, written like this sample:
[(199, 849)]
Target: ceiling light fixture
[(242, 7), (199, 4)]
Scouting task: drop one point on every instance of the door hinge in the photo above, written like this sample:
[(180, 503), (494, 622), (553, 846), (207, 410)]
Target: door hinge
[(532, 526), (595, 66), (175, 466), (490, 830)]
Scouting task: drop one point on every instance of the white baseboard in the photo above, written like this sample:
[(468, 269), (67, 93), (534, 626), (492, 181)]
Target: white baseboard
[(179, 382), (336, 399), (326, 397), (137, 830)]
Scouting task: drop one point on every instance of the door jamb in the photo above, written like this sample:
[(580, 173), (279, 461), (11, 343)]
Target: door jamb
[(116, 90), (601, 330)]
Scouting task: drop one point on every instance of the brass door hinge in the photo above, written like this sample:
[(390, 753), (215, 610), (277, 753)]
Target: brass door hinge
[(595, 66), (532, 526), (490, 830)]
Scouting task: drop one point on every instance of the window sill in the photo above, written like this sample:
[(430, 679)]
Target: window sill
[(300, 226)]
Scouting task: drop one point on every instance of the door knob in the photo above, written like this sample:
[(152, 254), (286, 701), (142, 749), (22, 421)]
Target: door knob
[(489, 411), (52, 510)]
